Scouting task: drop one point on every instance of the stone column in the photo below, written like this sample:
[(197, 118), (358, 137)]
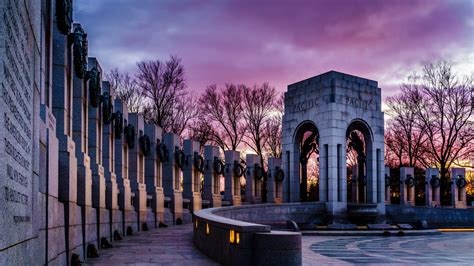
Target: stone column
[(458, 187), (387, 185), (153, 173), (97, 218), (136, 168), (62, 98), (432, 187), (108, 162), (212, 175), (355, 183), (275, 181), (232, 181), (253, 179), (121, 168), (407, 186), (172, 174), (192, 173)]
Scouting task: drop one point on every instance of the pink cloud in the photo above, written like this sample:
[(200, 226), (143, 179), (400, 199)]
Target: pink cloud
[(280, 41)]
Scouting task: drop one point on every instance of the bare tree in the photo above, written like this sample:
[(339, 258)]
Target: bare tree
[(446, 111), (184, 112), (164, 86), (201, 131), (410, 135), (273, 129), (125, 87), (394, 144), (224, 110), (259, 102)]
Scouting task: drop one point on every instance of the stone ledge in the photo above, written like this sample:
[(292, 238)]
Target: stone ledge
[(233, 242)]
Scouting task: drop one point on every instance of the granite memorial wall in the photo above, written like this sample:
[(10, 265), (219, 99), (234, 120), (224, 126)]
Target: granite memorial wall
[(78, 171)]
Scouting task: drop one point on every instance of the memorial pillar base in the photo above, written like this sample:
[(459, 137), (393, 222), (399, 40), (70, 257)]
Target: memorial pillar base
[(140, 204), (158, 205), (236, 201), (196, 202), (177, 206), (216, 201)]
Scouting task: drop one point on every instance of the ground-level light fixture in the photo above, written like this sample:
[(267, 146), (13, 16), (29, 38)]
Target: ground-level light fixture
[(232, 236), (207, 229)]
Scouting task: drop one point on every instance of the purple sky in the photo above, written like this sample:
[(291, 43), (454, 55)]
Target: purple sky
[(281, 42)]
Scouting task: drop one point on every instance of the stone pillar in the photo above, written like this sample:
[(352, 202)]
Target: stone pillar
[(172, 174), (212, 174), (355, 183), (253, 179), (136, 167), (192, 173), (121, 167), (407, 186), (232, 179), (108, 162), (97, 217), (153, 173), (62, 98), (387, 185), (432, 187), (276, 177), (458, 187)]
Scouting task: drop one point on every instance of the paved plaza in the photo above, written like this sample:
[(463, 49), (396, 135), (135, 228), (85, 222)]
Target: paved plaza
[(447, 248), (163, 246), (173, 246)]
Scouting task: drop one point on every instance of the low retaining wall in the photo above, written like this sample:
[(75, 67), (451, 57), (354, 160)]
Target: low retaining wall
[(276, 215), (435, 217), (234, 242)]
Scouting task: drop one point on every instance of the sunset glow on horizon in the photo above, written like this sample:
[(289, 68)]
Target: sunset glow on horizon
[(281, 42)]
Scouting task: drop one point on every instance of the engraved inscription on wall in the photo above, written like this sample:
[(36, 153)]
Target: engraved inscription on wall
[(17, 117)]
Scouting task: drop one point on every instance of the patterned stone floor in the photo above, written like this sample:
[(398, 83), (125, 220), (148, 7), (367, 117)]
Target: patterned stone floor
[(163, 246), (447, 248)]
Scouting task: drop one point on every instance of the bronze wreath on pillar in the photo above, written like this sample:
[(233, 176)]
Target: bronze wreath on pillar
[(279, 174), (107, 107), (118, 124), (218, 166), (409, 181), (162, 152), (180, 158), (258, 172), (238, 170), (145, 145), (198, 162), (64, 16), (461, 182), (435, 182), (79, 45), (93, 76), (130, 135)]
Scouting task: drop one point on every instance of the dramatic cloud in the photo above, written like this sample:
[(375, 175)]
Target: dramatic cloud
[(246, 41)]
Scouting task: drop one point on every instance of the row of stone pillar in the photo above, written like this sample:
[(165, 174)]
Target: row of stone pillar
[(106, 172), (407, 183)]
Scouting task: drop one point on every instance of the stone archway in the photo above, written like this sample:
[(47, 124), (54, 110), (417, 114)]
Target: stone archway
[(306, 142), (338, 104), (359, 142)]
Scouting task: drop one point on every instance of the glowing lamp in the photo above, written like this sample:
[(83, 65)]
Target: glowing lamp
[(237, 238), (207, 229), (196, 224), (232, 236)]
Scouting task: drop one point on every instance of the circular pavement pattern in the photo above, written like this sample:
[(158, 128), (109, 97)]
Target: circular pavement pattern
[(447, 248)]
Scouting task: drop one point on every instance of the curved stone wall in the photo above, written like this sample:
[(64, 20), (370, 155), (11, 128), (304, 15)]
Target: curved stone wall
[(436, 217), (229, 236)]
